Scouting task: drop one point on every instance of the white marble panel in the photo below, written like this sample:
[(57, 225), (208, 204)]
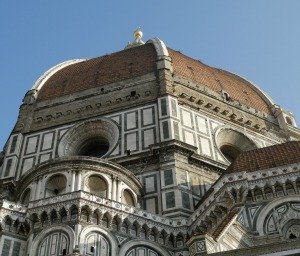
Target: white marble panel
[(31, 145), (150, 205), (47, 141), (150, 184), (201, 124), (27, 164), (189, 137), (147, 116), (148, 137), (131, 141), (187, 118), (45, 157), (131, 120), (205, 146)]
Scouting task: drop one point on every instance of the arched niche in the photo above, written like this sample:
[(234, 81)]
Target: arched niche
[(92, 236), (231, 143), (97, 185), (55, 185), (60, 239), (93, 138), (96, 245), (55, 244), (128, 198)]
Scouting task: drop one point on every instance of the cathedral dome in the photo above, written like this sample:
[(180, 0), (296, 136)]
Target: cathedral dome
[(140, 60), (147, 151)]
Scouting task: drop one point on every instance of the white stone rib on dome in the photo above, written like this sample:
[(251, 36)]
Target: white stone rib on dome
[(160, 47), (43, 78)]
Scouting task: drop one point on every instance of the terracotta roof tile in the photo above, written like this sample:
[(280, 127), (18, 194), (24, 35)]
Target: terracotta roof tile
[(268, 157), (217, 80), (99, 71), (137, 61)]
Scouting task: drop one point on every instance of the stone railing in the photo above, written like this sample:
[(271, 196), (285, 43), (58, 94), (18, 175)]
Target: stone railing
[(82, 198)]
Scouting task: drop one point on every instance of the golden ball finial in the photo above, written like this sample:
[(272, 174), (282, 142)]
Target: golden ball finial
[(138, 34)]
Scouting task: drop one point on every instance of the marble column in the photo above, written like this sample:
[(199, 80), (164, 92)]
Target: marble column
[(73, 179), (78, 181), (113, 188)]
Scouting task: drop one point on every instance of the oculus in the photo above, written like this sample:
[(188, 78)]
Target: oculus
[(93, 138)]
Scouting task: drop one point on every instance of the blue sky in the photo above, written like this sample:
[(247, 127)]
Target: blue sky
[(258, 39)]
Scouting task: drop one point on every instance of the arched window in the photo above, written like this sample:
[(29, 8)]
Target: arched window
[(55, 244), (97, 185), (96, 244), (128, 198), (55, 185)]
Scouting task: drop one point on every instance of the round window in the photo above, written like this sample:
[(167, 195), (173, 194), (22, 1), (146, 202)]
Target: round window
[(93, 138), (231, 143), (95, 147)]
